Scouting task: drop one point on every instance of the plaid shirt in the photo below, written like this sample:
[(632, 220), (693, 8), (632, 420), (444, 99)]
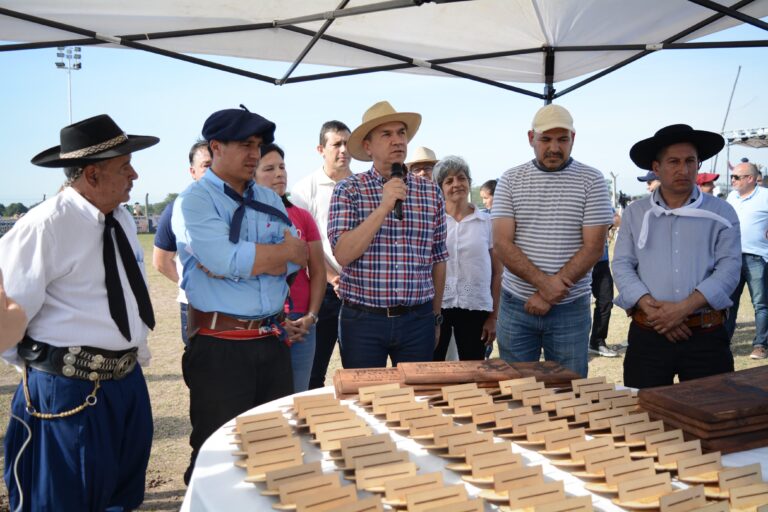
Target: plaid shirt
[(397, 266)]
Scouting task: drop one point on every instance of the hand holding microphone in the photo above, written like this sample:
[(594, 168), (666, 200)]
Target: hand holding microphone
[(398, 171)]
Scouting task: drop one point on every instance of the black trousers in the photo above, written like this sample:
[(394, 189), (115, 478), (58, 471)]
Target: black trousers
[(652, 360), (326, 336), (228, 377), (467, 326), (602, 291)]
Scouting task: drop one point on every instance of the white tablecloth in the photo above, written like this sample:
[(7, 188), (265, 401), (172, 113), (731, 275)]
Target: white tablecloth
[(217, 484)]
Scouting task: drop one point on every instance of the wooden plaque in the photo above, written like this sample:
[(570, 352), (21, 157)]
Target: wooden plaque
[(448, 391), (377, 476), (298, 400), (650, 486), (653, 441), (289, 491), (463, 393), (519, 477), (517, 390), (271, 462), (549, 402), (332, 440), (487, 465), (244, 423), (576, 384), (443, 434), (457, 445), (749, 495), (640, 431), (351, 455), (613, 394), (537, 495), (574, 504), (487, 413), (456, 372), (670, 453), (321, 502), (369, 504), (581, 412), (552, 374), (259, 436), (596, 462), (273, 446), (482, 450), (279, 477), (365, 394), (265, 424), (465, 506), (381, 459), (684, 500), (557, 440), (692, 466), (739, 477), (634, 470), (342, 415), (505, 386), (464, 405), (422, 501), (718, 506), (325, 428), (580, 448), (381, 399), (350, 381), (406, 417), (357, 442), (397, 489), (592, 391), (504, 418), (619, 423), (302, 408), (599, 420), (393, 412), (565, 408), (427, 426), (533, 396), (521, 423), (627, 403), (538, 432)]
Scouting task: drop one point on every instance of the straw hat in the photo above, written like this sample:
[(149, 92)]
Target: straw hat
[(380, 113), (422, 155)]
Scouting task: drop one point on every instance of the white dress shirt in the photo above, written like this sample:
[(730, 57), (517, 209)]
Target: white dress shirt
[(313, 193), (53, 266), (468, 271)]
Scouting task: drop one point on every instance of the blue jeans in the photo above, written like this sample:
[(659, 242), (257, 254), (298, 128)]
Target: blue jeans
[(302, 355), (563, 333), (754, 275), (367, 339)]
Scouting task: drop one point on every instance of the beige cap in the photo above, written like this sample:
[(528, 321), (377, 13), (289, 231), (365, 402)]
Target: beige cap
[(552, 116), (422, 154)]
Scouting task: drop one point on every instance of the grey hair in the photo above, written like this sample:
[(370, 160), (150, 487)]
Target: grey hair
[(450, 165), (72, 174)]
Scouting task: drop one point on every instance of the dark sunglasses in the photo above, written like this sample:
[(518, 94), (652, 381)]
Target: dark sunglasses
[(737, 177)]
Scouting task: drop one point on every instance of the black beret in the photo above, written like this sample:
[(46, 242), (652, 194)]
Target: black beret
[(237, 124)]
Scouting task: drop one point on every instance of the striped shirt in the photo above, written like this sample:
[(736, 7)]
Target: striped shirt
[(550, 209), (396, 268)]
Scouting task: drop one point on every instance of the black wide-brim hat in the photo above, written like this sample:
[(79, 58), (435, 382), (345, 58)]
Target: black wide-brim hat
[(707, 144), (92, 140)]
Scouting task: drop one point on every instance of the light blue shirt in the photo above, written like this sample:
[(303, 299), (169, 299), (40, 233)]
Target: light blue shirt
[(753, 216), (681, 254), (201, 218)]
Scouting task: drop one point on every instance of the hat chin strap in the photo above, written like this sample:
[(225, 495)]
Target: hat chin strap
[(96, 148)]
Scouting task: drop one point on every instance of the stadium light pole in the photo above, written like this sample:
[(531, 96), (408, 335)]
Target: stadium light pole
[(68, 57)]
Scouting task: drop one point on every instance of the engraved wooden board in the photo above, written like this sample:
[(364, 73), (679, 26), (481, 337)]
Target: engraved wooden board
[(466, 506), (557, 440), (244, 423), (488, 465), (581, 412), (640, 431), (648, 487), (425, 426), (683, 500), (670, 453), (432, 498), (456, 372), (370, 504), (549, 402), (576, 384), (574, 504), (519, 477), (321, 502), (749, 495), (596, 462), (537, 495), (278, 477), (365, 393), (378, 476), (739, 477), (634, 470), (350, 381), (289, 491), (486, 413), (399, 488)]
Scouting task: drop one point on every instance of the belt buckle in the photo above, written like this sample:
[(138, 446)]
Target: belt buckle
[(392, 315), (124, 365), (705, 324)]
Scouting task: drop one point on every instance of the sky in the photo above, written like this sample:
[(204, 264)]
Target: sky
[(151, 95)]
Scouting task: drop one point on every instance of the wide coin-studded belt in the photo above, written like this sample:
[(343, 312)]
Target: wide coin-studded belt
[(85, 363)]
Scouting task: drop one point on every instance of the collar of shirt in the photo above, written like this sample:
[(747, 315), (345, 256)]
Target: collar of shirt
[(539, 167), (376, 175), (211, 179), (750, 196), (83, 206), (659, 200)]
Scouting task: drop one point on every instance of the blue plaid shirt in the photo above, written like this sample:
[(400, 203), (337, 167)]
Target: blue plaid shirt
[(397, 266)]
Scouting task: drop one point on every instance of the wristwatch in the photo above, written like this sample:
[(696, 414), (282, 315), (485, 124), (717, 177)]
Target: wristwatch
[(314, 317), (438, 319)]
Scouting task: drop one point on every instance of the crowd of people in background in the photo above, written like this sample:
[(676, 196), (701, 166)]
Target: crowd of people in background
[(394, 263)]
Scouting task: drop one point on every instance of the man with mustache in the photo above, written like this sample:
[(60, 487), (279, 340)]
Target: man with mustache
[(550, 220), (393, 267)]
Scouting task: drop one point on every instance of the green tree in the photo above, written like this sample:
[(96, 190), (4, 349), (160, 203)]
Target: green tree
[(2, 210), (15, 209), (157, 208)]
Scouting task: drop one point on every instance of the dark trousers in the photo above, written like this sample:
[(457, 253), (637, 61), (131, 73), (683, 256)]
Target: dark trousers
[(652, 360), (467, 326), (228, 377), (327, 334), (94, 460), (602, 291)]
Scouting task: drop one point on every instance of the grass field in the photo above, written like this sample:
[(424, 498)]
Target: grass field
[(170, 451)]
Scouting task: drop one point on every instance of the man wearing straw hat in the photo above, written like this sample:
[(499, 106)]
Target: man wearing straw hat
[(388, 233), (422, 162), (677, 261), (75, 265)]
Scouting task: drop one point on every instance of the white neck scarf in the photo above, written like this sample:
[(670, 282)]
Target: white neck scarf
[(689, 210)]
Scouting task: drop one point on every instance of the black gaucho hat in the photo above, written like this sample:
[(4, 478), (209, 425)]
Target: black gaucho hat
[(708, 144), (90, 141)]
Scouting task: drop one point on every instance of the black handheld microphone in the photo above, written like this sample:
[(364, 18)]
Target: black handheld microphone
[(398, 171)]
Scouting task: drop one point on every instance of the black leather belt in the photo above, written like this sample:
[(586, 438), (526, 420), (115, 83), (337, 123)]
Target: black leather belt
[(390, 312), (85, 363)]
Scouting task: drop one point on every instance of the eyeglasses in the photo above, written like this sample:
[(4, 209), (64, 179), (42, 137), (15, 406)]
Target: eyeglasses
[(738, 177), (421, 169)]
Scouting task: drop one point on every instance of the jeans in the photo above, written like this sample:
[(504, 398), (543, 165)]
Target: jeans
[(563, 333), (754, 275), (302, 355), (602, 291), (367, 339), (183, 315), (326, 335)]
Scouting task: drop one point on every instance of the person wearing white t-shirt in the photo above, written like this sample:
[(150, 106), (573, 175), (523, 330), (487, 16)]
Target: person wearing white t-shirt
[(313, 193)]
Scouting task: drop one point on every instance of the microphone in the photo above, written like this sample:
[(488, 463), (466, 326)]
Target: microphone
[(398, 171)]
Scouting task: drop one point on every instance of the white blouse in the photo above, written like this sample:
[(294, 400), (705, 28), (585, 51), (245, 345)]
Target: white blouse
[(468, 273)]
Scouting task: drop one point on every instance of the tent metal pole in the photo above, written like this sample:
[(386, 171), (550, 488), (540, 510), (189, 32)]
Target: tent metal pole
[(353, 11), (347, 72), (733, 13), (549, 75), (48, 44), (310, 45)]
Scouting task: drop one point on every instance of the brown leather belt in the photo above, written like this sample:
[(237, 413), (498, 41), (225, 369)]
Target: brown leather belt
[(215, 321), (703, 320)]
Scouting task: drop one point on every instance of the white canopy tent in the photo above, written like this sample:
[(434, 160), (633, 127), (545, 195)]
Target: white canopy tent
[(497, 42)]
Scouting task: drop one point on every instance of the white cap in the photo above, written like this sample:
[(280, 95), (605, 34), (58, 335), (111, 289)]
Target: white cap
[(552, 116)]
